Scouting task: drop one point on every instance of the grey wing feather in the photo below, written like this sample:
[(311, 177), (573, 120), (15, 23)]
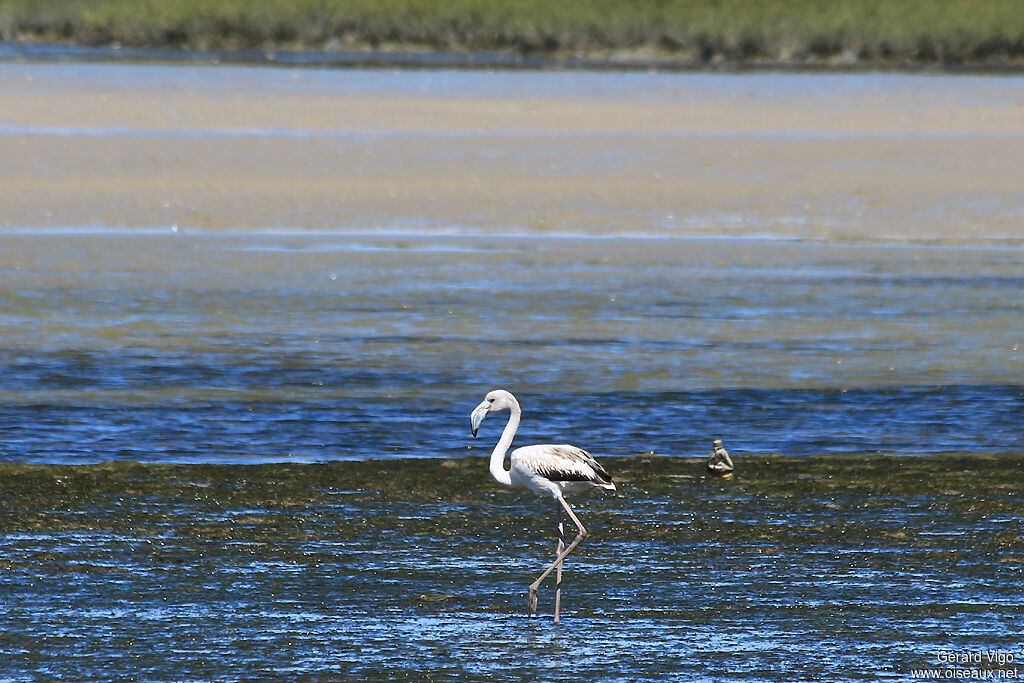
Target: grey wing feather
[(562, 463)]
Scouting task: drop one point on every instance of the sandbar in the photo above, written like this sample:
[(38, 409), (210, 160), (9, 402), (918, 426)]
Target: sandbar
[(808, 156)]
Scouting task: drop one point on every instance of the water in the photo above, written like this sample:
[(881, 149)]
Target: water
[(807, 567), (258, 347)]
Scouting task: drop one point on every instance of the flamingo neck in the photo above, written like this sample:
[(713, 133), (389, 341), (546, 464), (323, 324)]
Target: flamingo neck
[(498, 471)]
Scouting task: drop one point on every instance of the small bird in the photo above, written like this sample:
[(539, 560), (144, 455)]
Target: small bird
[(545, 469), (719, 463)]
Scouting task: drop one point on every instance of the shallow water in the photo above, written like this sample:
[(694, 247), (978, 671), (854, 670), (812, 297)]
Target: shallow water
[(845, 568), (255, 347)]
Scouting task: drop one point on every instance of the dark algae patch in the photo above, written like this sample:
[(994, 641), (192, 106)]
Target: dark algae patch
[(840, 567)]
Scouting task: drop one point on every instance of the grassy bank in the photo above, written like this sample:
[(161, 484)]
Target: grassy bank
[(868, 32)]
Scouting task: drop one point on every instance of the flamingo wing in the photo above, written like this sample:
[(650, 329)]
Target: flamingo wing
[(561, 462)]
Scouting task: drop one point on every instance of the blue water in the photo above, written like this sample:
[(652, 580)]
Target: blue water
[(913, 421), (253, 347)]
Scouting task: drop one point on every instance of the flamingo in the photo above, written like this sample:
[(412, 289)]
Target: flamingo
[(547, 470)]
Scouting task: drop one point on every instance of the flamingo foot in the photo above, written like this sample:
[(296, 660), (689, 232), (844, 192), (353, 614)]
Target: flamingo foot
[(531, 601)]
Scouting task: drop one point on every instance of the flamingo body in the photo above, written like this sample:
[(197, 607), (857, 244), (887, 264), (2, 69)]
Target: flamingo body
[(549, 469), (545, 469)]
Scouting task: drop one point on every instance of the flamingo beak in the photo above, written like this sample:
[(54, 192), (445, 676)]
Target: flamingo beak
[(479, 413)]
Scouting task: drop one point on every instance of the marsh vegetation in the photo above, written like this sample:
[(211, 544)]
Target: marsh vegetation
[(706, 31)]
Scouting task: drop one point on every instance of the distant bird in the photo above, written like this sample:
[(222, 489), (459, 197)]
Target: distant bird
[(719, 463), (545, 469)]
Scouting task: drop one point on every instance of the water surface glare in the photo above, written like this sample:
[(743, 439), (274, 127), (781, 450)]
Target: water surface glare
[(259, 347)]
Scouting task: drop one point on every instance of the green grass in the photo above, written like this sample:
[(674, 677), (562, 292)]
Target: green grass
[(873, 31)]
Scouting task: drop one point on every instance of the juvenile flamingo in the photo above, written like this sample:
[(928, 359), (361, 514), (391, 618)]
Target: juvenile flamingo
[(545, 469)]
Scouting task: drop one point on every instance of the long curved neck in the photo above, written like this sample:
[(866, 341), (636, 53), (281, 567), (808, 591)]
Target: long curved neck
[(498, 471)]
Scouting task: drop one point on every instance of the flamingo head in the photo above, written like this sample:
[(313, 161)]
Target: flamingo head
[(499, 399)]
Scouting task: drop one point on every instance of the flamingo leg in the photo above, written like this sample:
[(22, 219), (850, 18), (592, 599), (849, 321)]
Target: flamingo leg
[(531, 599), (558, 572)]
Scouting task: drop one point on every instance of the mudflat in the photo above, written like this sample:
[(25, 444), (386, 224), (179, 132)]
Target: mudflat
[(822, 156), (161, 572)]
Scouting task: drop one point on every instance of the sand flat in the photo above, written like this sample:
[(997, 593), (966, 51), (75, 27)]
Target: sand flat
[(814, 156)]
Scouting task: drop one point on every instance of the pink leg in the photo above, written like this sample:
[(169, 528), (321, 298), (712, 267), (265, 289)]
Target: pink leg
[(531, 599), (558, 572)]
